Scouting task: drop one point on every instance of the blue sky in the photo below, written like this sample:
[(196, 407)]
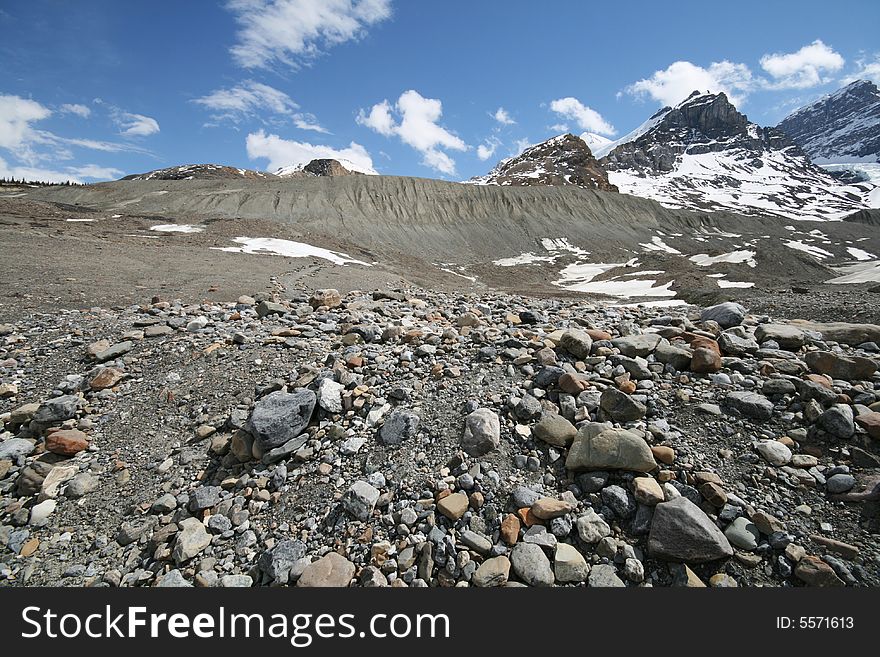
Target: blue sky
[(97, 89)]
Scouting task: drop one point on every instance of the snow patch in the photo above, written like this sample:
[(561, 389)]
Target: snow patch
[(177, 228), (288, 249), (809, 249), (734, 258)]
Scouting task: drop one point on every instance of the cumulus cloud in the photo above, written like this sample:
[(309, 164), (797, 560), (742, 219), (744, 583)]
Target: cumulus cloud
[(808, 67), (75, 108), (135, 125), (676, 82), (503, 117), (294, 32), (487, 148), (417, 127), (252, 99), (586, 117), (284, 152), (16, 132)]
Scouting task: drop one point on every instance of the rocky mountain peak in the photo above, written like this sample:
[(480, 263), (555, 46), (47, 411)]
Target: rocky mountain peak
[(562, 160), (328, 167), (841, 127), (704, 154), (322, 167)]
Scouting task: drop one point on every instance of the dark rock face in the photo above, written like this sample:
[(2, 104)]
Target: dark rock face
[(704, 123), (845, 124), (325, 167), (563, 160)]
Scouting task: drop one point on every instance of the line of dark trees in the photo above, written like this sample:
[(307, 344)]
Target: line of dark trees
[(41, 183)]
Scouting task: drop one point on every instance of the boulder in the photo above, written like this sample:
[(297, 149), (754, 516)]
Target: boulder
[(750, 404), (637, 345), (619, 406), (482, 432), (330, 571), (577, 343), (681, 531), (847, 368), (726, 314), (554, 430), (787, 337), (280, 416), (531, 565), (609, 449)]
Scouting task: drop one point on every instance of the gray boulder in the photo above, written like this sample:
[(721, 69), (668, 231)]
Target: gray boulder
[(281, 416), (680, 531), (726, 314)]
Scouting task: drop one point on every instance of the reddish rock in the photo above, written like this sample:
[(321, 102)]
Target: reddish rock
[(573, 384), (328, 297), (870, 422), (821, 379), (596, 334), (663, 454), (629, 387), (812, 571), (707, 355), (107, 377), (67, 442), (510, 529)]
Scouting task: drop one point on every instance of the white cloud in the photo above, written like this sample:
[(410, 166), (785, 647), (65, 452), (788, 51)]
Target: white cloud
[(586, 117), (16, 133), (808, 67), (868, 69), (30, 146), (417, 127), (294, 32), (96, 172), (75, 108), (283, 152), (379, 118), (559, 127), (252, 99), (520, 145), (135, 125), (488, 147), (73, 174), (503, 117), (675, 83)]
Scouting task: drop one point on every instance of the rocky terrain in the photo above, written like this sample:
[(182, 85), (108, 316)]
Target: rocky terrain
[(563, 160), (405, 437), (191, 238)]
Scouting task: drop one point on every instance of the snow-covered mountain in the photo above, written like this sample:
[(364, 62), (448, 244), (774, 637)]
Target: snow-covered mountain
[(562, 160), (199, 172), (841, 133), (843, 126), (704, 154), (594, 141), (324, 167)]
